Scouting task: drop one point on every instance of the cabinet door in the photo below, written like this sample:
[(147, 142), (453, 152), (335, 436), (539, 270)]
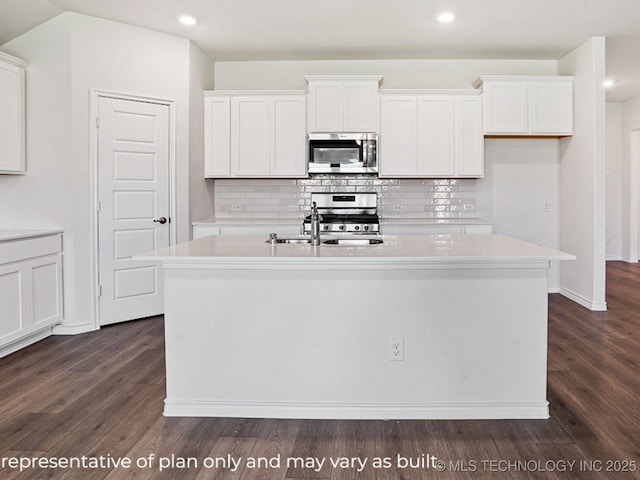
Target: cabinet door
[(46, 284), (436, 135), (250, 137), (326, 108), (398, 151), (288, 158), (505, 108), (551, 107), (361, 106), (217, 137), (469, 137), (12, 119), (13, 295)]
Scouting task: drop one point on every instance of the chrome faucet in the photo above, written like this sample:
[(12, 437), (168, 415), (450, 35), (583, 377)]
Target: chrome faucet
[(315, 224)]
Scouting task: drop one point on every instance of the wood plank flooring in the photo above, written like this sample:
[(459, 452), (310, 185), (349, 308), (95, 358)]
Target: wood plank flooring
[(101, 394)]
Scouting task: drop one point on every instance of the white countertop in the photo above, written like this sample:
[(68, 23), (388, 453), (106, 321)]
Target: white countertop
[(405, 250), (7, 235)]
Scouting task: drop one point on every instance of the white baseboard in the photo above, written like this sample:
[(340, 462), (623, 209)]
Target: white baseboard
[(74, 329), (585, 302), (342, 411), (613, 258), (25, 342), (630, 259)]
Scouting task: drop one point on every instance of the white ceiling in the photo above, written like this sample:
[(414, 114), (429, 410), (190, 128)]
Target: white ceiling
[(373, 29)]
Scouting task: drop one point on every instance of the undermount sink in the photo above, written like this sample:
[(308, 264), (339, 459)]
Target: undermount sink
[(280, 241), (353, 241), (332, 241)]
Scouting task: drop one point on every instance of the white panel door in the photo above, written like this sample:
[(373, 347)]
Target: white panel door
[(133, 191), (288, 157), (436, 155), (250, 136), (326, 107), (469, 137), (361, 106), (217, 137), (506, 108), (398, 136), (13, 324), (551, 107)]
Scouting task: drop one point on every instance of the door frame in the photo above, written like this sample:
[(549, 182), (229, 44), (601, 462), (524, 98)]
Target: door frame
[(95, 95)]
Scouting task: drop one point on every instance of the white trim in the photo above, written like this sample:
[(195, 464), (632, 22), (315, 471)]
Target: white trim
[(372, 411), (246, 93), (585, 302), (634, 173), (11, 60), (343, 78), (95, 95), (74, 329), (25, 342), (630, 259), (613, 258)]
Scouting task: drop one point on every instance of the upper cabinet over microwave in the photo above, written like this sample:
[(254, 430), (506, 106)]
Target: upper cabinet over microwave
[(343, 103), (527, 106)]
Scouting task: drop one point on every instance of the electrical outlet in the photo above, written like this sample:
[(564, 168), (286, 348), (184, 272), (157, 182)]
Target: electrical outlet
[(236, 207), (546, 206), (293, 208), (396, 349), (397, 208), (467, 206)]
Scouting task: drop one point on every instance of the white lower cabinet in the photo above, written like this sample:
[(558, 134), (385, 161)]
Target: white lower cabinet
[(255, 136), (30, 289), (431, 136), (283, 230), (435, 229)]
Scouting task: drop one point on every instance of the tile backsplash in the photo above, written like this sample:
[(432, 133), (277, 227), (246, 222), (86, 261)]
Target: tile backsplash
[(397, 198)]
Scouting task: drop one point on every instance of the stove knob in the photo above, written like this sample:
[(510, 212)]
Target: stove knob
[(341, 227), (326, 227), (366, 228), (357, 227)]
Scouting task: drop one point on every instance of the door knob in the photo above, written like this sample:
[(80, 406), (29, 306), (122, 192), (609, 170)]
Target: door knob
[(161, 220)]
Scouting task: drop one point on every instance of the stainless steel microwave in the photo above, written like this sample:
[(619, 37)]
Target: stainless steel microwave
[(343, 153)]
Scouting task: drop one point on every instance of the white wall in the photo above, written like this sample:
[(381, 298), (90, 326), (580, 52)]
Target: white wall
[(521, 176), (583, 179), (614, 181), (200, 191), (70, 55), (630, 174), (397, 73)]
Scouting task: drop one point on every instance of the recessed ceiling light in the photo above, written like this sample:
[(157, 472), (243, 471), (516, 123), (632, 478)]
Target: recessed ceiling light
[(609, 83), (187, 20), (446, 17)]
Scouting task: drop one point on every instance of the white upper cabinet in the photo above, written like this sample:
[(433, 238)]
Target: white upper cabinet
[(257, 134), (343, 103), (535, 106), (398, 144), (217, 136), (431, 135), (12, 115)]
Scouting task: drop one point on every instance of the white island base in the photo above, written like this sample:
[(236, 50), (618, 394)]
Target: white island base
[(295, 331)]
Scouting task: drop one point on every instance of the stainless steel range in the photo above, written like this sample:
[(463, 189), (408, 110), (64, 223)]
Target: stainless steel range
[(348, 213)]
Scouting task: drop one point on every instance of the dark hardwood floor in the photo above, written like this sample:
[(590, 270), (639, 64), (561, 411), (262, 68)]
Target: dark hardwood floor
[(101, 395)]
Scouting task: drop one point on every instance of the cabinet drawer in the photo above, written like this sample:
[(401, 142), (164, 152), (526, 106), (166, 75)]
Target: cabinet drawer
[(14, 251)]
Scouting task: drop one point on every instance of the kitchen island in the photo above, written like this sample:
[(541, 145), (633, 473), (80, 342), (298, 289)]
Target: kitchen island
[(421, 326)]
